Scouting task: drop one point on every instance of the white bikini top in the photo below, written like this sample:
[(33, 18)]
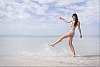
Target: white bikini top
[(73, 23)]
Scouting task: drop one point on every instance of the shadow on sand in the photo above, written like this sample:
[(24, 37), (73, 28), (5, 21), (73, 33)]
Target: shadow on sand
[(90, 56)]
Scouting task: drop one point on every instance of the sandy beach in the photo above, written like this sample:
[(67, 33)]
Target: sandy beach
[(34, 51)]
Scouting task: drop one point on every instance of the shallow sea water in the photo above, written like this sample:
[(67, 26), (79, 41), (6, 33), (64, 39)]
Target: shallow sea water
[(34, 51)]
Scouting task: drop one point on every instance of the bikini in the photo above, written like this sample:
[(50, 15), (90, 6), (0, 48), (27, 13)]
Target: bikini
[(73, 30)]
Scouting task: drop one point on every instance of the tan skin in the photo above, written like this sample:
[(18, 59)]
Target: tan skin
[(69, 34)]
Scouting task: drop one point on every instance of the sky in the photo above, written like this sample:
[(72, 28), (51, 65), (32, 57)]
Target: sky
[(41, 17)]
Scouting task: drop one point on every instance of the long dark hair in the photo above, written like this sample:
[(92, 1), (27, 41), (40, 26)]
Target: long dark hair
[(76, 20)]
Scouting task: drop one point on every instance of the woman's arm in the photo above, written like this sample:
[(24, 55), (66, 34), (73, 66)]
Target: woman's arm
[(79, 29), (67, 21)]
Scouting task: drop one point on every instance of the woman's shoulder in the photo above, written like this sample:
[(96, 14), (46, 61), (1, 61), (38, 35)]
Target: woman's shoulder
[(78, 23)]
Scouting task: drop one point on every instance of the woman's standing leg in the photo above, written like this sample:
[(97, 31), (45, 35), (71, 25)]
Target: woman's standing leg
[(71, 45)]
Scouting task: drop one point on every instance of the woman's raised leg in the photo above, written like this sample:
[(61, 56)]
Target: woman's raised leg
[(59, 39)]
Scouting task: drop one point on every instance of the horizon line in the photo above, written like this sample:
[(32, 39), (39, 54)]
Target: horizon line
[(48, 35)]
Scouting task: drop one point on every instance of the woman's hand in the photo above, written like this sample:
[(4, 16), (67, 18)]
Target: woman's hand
[(60, 18), (80, 35)]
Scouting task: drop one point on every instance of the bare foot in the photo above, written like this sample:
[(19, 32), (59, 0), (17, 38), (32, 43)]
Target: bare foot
[(51, 45)]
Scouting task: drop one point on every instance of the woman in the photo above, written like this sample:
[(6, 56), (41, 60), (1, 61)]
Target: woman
[(75, 23)]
